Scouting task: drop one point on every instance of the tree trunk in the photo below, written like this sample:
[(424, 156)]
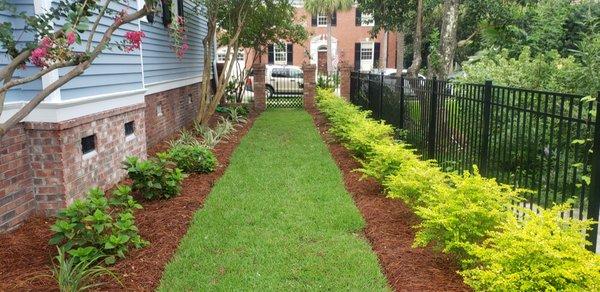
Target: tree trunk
[(417, 42), (448, 36), (384, 51), (205, 88), (329, 48), (400, 49)]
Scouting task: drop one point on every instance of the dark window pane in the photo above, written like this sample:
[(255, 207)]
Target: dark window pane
[(88, 144)]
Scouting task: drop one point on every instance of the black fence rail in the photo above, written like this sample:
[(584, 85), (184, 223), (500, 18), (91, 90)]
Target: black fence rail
[(543, 141)]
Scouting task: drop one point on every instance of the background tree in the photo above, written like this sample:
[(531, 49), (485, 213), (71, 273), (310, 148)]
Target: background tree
[(237, 24), (53, 49), (328, 7)]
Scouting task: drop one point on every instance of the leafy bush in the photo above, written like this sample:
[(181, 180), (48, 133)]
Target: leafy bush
[(237, 115), (415, 181), (363, 136), (98, 227), (459, 216), (155, 178), (543, 252), (75, 275), (185, 138), (193, 158), (385, 160)]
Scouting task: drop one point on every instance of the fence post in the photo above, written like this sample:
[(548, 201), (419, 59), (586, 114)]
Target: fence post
[(485, 131), (594, 199), (346, 81), (401, 123), (260, 101), (309, 91), (432, 120), (381, 96)]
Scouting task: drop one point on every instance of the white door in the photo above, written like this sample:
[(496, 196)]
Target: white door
[(366, 56)]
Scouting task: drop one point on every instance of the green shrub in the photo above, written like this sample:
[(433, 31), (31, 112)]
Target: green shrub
[(193, 158), (415, 181), (185, 137), (98, 227), (453, 218), (364, 135), (155, 178), (543, 252), (385, 160)]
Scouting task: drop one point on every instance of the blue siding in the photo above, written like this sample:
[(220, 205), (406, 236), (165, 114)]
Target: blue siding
[(114, 70), (160, 62), (26, 91)]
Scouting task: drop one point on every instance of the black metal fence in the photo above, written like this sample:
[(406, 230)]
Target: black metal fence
[(543, 141)]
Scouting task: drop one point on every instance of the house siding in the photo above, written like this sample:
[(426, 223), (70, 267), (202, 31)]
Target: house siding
[(26, 91), (114, 70), (160, 62)]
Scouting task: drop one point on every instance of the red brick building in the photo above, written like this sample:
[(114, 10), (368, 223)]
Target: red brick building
[(351, 42)]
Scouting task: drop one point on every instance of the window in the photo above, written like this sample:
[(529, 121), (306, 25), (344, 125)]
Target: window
[(190, 98), (221, 58), (366, 52), (240, 57), (366, 19), (88, 144), (129, 128), (280, 54), (295, 73), (322, 20), (159, 112), (280, 72)]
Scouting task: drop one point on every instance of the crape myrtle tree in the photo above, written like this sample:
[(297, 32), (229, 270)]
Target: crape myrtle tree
[(53, 48), (239, 24), (328, 7)]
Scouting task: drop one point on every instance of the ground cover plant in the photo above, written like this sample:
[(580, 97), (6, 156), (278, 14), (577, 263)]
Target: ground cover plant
[(279, 219), (470, 217)]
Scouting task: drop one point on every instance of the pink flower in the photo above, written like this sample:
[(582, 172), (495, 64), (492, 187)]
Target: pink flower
[(71, 38), (38, 55), (134, 40), (46, 42)]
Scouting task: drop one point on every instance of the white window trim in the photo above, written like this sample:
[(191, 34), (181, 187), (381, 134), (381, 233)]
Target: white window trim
[(366, 19), (320, 17), (281, 51), (365, 46)]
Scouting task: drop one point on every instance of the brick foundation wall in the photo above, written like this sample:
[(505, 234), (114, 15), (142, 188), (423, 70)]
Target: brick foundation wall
[(16, 179), (179, 108)]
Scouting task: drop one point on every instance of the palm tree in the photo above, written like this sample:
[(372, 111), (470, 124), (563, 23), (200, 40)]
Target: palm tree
[(328, 7)]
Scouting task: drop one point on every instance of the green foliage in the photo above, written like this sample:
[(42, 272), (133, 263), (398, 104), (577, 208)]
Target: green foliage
[(193, 158), (454, 218), (185, 138), (98, 227), (328, 82), (155, 178), (415, 181), (385, 159), (74, 275), (237, 115), (365, 134), (543, 252)]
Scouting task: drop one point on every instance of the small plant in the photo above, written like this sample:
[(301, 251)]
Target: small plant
[(156, 178), (385, 160), (415, 181), (74, 275), (193, 158), (185, 138), (224, 128), (237, 115), (543, 252), (98, 226)]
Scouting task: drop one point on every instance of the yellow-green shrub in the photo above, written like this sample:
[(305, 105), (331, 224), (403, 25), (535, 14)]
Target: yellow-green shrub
[(456, 217), (544, 252), (416, 180), (385, 160), (365, 134)]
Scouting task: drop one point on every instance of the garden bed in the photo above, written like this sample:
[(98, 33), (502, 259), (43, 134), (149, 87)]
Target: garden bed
[(390, 229), (25, 252)]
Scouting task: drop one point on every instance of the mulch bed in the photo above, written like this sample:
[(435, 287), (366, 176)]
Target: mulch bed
[(390, 229), (25, 252)]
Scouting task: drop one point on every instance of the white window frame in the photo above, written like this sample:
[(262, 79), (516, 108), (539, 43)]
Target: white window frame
[(280, 54), (220, 57), (366, 19), (321, 20), (367, 48)]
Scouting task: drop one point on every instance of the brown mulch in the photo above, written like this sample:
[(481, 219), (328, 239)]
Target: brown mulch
[(25, 252), (390, 229)]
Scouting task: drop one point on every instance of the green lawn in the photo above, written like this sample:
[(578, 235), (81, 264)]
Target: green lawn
[(278, 219)]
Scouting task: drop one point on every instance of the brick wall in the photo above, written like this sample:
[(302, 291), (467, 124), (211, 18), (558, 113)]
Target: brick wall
[(179, 108), (16, 192)]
